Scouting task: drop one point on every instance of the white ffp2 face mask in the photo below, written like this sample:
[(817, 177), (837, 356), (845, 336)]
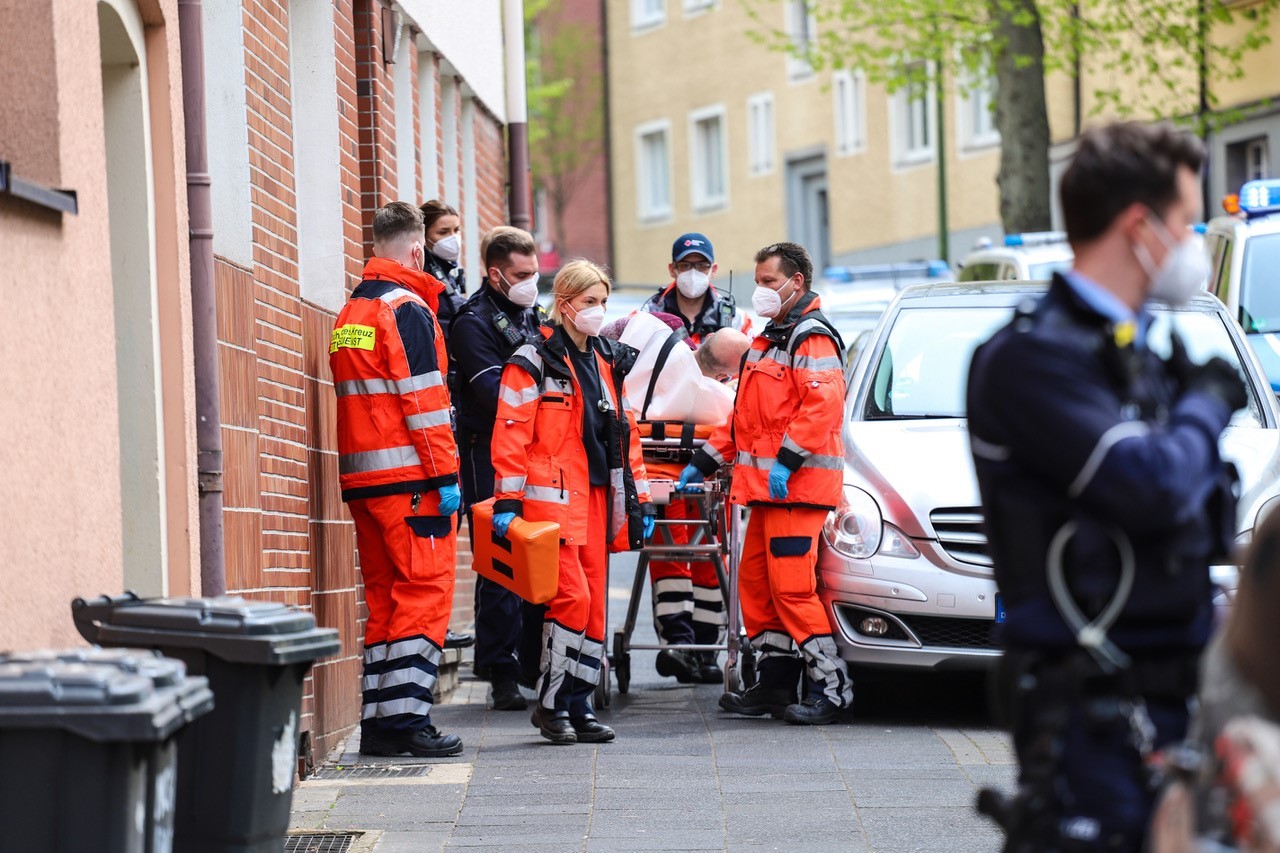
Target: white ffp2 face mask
[(693, 283), (1184, 271), (768, 302), (448, 248), (523, 293), (589, 320)]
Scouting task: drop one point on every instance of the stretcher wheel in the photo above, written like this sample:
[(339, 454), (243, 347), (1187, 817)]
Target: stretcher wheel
[(603, 693), (621, 660), (733, 684)]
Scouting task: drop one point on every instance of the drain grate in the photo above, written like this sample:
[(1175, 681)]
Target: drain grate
[(385, 771), (320, 842)]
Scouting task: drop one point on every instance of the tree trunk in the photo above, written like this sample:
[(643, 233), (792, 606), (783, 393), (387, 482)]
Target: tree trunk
[(1022, 117)]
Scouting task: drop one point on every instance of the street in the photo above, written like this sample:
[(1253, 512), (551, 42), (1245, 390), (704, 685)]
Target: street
[(683, 775)]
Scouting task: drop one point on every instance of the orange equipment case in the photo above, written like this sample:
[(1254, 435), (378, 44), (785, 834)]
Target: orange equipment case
[(525, 561)]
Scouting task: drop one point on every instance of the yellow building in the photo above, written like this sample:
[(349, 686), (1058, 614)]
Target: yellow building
[(712, 131)]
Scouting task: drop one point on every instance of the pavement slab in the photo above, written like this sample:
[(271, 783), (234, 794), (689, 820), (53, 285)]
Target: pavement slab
[(682, 775)]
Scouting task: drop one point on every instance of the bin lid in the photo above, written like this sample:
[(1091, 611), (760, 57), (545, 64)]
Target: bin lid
[(229, 627), (97, 702), (192, 691)]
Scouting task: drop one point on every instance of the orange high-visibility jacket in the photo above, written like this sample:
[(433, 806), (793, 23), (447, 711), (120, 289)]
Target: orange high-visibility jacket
[(388, 360), (789, 408), (540, 464)]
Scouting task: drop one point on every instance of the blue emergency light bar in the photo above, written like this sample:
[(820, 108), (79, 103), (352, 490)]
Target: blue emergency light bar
[(1258, 198), (1035, 238)]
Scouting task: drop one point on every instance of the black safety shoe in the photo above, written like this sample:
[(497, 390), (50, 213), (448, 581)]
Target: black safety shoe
[(758, 701), (427, 743), (680, 664), (454, 640), (507, 697), (814, 711), (709, 671), (591, 730), (553, 725)]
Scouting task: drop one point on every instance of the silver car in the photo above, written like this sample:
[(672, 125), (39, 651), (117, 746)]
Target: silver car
[(903, 568)]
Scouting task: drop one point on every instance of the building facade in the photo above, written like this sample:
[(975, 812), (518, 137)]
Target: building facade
[(317, 113)]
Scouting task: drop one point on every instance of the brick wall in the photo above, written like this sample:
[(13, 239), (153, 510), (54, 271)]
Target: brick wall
[(288, 536)]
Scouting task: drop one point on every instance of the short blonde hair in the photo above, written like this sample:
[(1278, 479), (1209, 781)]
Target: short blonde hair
[(575, 278)]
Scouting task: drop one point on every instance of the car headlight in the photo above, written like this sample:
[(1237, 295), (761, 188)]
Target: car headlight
[(855, 528)]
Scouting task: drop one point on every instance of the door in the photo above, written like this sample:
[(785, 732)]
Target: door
[(808, 214)]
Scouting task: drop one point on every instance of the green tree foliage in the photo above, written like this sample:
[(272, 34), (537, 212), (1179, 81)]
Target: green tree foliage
[(1141, 58)]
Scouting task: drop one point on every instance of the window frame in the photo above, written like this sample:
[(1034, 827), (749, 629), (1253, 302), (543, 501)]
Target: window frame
[(799, 70), (700, 202), (646, 214), (856, 108), (693, 8), (966, 96), (643, 20), (762, 154), (900, 117)]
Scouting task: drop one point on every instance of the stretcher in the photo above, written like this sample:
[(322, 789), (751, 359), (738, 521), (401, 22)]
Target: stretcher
[(715, 537)]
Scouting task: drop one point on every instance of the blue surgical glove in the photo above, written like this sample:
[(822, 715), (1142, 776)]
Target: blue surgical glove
[(450, 499), (688, 477), (778, 476), (649, 524), (501, 521)]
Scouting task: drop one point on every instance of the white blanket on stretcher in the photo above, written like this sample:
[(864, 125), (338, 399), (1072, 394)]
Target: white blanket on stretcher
[(682, 393)]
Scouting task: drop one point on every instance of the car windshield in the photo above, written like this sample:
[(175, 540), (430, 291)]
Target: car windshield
[(1044, 271), (1260, 287), (923, 368)]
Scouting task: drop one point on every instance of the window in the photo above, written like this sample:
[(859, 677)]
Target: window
[(647, 13), (1255, 159), (977, 118), (760, 136), (802, 26), (849, 91), (1247, 160), (708, 158), (912, 117), (653, 171), (693, 6)]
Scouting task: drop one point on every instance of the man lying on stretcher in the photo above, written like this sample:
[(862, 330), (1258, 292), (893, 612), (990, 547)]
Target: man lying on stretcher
[(672, 382)]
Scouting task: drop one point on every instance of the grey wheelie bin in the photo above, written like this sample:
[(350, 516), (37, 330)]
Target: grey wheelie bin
[(87, 756), (235, 765), (168, 677)]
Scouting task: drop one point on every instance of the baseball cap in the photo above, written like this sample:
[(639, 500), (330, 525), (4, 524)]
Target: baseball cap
[(692, 243)]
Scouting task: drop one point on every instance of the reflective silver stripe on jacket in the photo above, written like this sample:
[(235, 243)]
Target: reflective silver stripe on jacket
[(764, 463), (510, 484), (788, 444), (642, 487), (423, 420), (530, 354), (809, 362), (358, 387), (515, 399), (716, 456), (399, 293), (368, 461), (547, 494), (618, 503)]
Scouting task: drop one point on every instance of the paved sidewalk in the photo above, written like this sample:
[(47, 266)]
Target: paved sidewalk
[(681, 776)]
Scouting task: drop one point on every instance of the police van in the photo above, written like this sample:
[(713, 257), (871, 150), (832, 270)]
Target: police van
[(1244, 262), (1034, 256)]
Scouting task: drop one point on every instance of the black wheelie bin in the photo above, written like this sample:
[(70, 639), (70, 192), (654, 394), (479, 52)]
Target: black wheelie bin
[(87, 752), (236, 765)]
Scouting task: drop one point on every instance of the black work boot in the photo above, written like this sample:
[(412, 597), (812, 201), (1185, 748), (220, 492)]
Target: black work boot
[(709, 671), (776, 688), (591, 730), (507, 696), (553, 725), (813, 711), (680, 664), (427, 743)]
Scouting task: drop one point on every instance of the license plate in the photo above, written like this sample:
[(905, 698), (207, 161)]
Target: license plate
[(999, 608)]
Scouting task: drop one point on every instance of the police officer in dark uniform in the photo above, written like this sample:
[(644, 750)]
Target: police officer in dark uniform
[(1104, 496), (692, 296), (487, 330)]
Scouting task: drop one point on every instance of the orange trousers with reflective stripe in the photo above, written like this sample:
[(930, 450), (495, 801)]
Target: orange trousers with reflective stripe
[(408, 578), (777, 582), (579, 603)]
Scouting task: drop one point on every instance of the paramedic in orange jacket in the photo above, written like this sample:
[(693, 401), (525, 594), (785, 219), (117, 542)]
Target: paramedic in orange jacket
[(565, 449), (398, 467), (783, 441)]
